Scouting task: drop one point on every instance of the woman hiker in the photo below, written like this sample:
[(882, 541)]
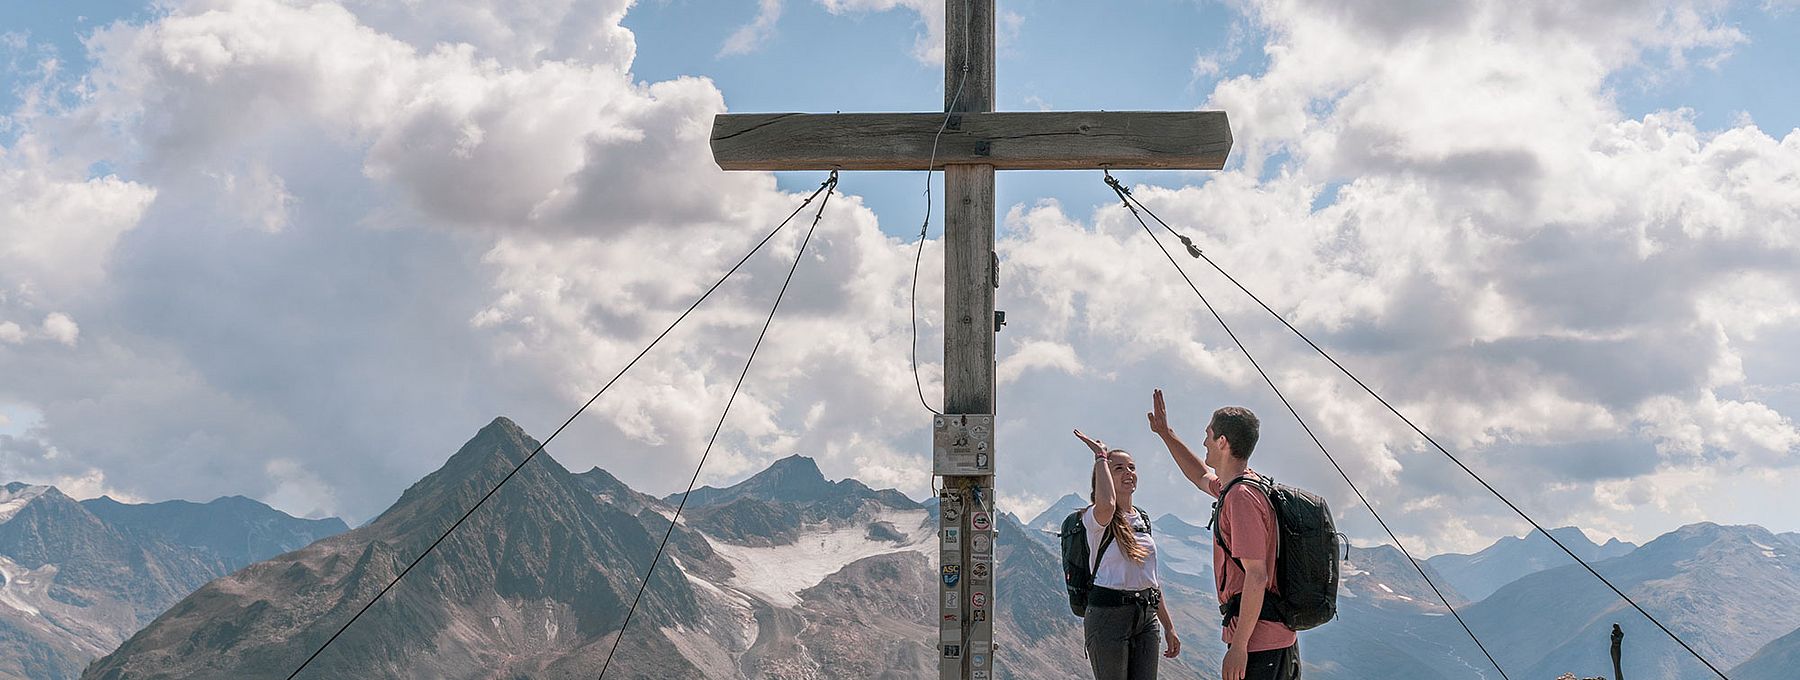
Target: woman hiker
[(1125, 611)]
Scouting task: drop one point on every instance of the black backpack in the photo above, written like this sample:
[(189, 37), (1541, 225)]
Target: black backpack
[(1078, 575), (1307, 571)]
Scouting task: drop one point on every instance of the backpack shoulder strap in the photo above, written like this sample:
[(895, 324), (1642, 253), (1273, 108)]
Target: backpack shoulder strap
[(1106, 539), (1260, 484)]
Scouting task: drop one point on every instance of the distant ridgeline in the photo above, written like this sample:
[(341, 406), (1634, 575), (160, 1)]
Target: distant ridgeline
[(78, 578), (788, 574)]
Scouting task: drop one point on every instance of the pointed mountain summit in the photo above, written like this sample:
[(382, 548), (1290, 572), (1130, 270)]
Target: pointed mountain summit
[(795, 479), (1480, 574), (1183, 547), (527, 587), (775, 506), (75, 583), (1052, 517), (1727, 590), (15, 495)]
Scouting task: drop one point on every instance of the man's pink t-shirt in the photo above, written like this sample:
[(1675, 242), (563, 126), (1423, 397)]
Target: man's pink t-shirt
[(1247, 525)]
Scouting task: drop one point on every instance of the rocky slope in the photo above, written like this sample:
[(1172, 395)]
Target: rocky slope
[(790, 575), (1480, 574), (77, 578), (1778, 660), (532, 586), (1726, 590)]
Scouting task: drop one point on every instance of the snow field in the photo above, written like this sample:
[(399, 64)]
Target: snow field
[(777, 574)]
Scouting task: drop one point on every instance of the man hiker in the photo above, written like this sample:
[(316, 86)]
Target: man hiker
[(1245, 551)]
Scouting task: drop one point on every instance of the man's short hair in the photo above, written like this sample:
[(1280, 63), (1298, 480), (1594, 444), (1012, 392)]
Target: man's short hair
[(1239, 427)]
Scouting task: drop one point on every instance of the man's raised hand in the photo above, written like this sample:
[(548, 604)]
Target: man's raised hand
[(1158, 415)]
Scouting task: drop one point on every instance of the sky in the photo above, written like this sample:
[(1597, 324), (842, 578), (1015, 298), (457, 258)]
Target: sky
[(301, 251)]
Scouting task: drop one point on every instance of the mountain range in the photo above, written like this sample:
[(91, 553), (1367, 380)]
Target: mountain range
[(1478, 575), (78, 578), (790, 575)]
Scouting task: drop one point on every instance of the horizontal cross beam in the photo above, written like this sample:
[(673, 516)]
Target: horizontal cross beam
[(1021, 140)]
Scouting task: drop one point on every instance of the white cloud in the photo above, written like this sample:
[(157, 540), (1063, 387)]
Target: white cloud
[(341, 236), (515, 34), (61, 328), (57, 224), (928, 47), (1039, 355), (93, 484), (750, 37)]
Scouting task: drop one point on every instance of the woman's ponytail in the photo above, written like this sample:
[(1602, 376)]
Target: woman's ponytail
[(1121, 530)]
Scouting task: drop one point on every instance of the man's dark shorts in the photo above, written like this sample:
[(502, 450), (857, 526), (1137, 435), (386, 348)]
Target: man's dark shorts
[(1274, 664)]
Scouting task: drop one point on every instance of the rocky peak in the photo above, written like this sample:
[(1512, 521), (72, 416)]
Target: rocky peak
[(794, 479), (15, 495), (526, 583), (1051, 518), (612, 490), (1170, 525), (470, 474)]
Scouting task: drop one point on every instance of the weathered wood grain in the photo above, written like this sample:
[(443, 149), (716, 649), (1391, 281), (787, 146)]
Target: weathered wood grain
[(1059, 140), (969, 289)]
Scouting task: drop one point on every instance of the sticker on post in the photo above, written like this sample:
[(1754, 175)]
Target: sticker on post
[(981, 543), (952, 575), (952, 651), (951, 601), (978, 615), (950, 506), (952, 538), (979, 599), (978, 571), (980, 520)]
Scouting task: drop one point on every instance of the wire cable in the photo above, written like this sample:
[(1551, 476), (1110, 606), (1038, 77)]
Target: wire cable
[(1197, 253), (1124, 195), (798, 255), (540, 447), (930, 165)]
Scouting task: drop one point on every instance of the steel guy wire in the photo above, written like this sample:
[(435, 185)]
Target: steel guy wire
[(798, 255), (1124, 196), (1197, 253), (832, 182)]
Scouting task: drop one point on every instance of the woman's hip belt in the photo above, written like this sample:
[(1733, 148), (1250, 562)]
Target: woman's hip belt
[(1102, 596)]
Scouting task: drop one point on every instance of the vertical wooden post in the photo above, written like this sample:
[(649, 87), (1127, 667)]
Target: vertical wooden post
[(969, 326), (963, 447)]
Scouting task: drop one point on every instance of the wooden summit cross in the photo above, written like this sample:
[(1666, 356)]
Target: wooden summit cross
[(974, 143)]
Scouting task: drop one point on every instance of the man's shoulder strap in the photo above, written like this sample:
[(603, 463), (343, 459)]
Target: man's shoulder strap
[(1260, 483)]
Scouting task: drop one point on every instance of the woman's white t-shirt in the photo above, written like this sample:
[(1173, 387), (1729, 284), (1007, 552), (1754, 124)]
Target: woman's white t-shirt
[(1116, 570)]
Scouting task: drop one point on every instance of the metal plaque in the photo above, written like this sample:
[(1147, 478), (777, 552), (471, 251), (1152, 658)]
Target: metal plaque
[(963, 444)]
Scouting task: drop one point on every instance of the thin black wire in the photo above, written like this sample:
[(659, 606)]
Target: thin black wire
[(578, 412), (1195, 251), (962, 78), (918, 255), (1124, 195), (798, 255)]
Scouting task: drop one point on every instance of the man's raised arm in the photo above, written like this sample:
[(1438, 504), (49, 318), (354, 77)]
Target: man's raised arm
[(1191, 465)]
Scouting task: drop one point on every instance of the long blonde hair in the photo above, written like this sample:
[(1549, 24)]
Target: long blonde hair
[(1122, 532)]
